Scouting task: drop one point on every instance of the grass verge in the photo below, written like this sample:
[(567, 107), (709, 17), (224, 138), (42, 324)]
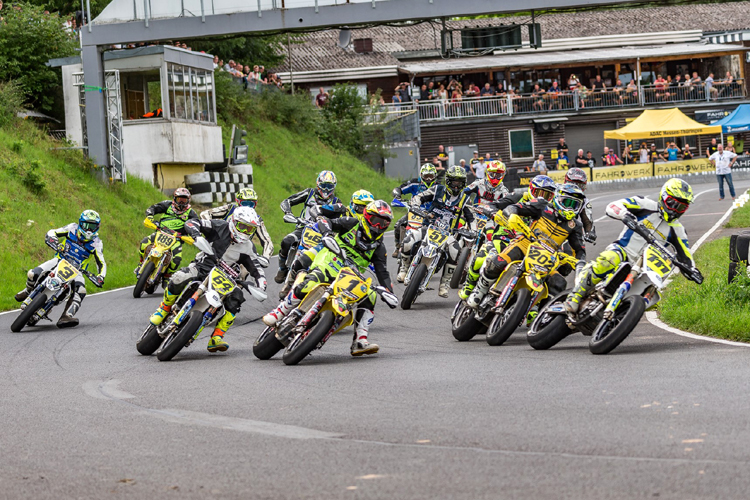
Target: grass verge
[(714, 308), (42, 189)]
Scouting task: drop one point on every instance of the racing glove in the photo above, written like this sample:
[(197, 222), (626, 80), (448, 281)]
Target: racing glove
[(261, 284), (396, 195), (695, 275), (590, 237), (630, 220), (98, 281)]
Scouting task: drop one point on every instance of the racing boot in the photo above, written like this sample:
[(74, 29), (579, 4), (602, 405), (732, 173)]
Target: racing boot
[(445, 280), (396, 252), (216, 343), (483, 285), (164, 308), (281, 274), (403, 268), (68, 319), (583, 284), (360, 345), (30, 282), (290, 302)]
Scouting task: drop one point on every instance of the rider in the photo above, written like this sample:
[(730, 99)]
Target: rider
[(174, 215), (659, 218), (426, 179), (450, 204), (230, 242), (555, 220), (357, 205), (361, 238), (322, 194), (490, 189), (578, 177), (85, 247), (540, 187), (245, 197)]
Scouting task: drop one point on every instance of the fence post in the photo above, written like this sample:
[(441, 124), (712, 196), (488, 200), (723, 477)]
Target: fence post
[(575, 99), (641, 97), (509, 104)]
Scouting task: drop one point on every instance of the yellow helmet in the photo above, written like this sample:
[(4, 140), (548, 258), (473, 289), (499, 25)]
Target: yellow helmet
[(360, 200), (674, 199)]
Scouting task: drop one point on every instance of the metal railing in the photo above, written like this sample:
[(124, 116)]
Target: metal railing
[(570, 101)]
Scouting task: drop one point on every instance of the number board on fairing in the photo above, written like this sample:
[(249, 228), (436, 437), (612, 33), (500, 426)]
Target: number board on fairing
[(65, 271), (165, 240)]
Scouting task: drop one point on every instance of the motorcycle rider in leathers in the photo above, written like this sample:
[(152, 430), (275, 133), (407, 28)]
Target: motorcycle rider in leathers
[(449, 203), (659, 218), (229, 240), (426, 180), (321, 194), (362, 240), (556, 220)]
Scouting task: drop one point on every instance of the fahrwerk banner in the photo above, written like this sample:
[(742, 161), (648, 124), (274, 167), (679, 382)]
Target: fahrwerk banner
[(696, 166), (636, 171)]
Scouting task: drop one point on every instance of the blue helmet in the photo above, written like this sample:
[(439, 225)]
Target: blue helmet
[(569, 200), (88, 225), (542, 186)]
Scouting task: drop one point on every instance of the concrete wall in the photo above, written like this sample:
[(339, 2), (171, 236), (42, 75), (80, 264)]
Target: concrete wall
[(146, 143), (72, 109)]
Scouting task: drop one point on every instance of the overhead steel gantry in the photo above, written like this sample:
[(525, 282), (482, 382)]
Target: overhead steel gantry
[(135, 21)]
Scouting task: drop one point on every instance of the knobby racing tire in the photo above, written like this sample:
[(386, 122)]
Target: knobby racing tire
[(175, 342), (28, 313), (304, 343), (267, 345), (412, 290), (460, 273), (548, 329), (504, 324), (140, 285), (626, 317), (465, 326), (150, 341)]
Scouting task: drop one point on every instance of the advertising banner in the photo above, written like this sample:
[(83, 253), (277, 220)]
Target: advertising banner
[(637, 171), (556, 175), (695, 166)]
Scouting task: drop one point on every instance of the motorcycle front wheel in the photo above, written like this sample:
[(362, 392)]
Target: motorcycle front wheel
[(610, 333), (177, 340), (304, 343), (150, 341), (459, 275), (412, 290), (140, 285), (504, 324), (465, 325), (267, 345), (28, 313), (548, 330)]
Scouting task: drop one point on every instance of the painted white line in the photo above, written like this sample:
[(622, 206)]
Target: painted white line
[(653, 318), (602, 218), (92, 295), (704, 192)]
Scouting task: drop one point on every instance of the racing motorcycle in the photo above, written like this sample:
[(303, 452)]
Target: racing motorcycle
[(521, 286), (155, 264), (200, 304), (612, 309), (310, 238), (53, 288), (325, 310), (482, 217), (431, 256)]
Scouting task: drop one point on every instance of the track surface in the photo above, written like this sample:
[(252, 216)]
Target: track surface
[(85, 416)]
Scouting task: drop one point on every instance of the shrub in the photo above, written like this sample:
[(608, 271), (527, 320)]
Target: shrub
[(12, 98)]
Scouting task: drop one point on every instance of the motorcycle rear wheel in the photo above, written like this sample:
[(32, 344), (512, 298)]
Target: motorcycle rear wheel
[(28, 313), (504, 324), (626, 317), (174, 343), (459, 275), (140, 285), (465, 326), (412, 291), (303, 344), (267, 345)]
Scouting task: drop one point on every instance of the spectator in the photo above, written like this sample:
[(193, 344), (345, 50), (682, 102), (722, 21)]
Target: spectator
[(653, 154), (573, 83), (216, 62), (424, 94), (480, 168), (581, 161), (670, 154), (609, 158), (723, 161), (660, 88), (712, 148), (488, 158), (432, 91), (730, 147), (686, 153), (619, 92), (627, 154), (472, 90), (221, 64), (404, 92), (562, 161), (442, 158), (229, 66), (321, 100), (538, 97), (539, 165), (677, 88), (396, 99), (710, 89), (473, 162), (465, 166), (591, 159), (562, 147), (554, 94), (643, 153), (632, 92), (598, 85), (487, 91)]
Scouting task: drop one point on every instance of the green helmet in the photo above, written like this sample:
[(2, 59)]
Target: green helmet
[(455, 180), (428, 174), (246, 197)]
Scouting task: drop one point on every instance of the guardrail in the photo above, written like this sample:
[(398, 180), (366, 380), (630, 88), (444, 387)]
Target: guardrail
[(570, 101)]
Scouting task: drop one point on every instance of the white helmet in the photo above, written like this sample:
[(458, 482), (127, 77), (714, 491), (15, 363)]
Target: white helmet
[(243, 223)]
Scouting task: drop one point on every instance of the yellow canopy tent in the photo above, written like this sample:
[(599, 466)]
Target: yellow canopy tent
[(653, 123)]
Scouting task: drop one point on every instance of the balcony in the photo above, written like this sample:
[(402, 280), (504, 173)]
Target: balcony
[(577, 101)]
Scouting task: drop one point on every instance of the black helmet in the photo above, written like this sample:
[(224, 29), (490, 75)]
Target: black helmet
[(455, 180), (576, 176)]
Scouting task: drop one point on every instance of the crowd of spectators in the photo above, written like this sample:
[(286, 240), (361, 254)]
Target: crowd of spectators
[(254, 79)]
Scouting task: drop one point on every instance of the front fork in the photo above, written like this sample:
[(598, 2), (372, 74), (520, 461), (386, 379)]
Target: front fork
[(624, 288)]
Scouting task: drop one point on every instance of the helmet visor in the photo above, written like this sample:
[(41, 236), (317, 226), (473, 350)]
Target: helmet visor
[(89, 226), (542, 193), (182, 202), (455, 184), (248, 203), (674, 204), (378, 222), (496, 175), (328, 187), (427, 178), (359, 209), (580, 184), (245, 228), (570, 203)]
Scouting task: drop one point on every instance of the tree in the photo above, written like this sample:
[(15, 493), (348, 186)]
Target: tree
[(247, 50), (28, 39), (67, 7)]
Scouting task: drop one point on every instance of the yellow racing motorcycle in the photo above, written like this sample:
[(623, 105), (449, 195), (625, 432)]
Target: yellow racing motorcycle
[(326, 309), (156, 262)]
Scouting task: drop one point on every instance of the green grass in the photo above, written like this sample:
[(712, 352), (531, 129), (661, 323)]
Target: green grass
[(713, 308), (42, 189), (285, 162)]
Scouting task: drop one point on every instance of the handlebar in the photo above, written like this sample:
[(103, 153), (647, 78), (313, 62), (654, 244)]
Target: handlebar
[(54, 245)]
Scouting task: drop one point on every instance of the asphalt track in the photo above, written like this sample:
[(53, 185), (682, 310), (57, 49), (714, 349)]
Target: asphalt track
[(85, 416)]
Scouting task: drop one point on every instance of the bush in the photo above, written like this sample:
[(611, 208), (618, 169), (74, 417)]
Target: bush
[(12, 98)]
